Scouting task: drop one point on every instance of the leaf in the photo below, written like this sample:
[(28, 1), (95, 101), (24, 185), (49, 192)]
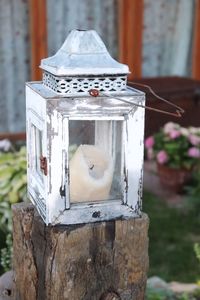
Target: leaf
[(6, 173), (5, 216), (22, 151), (13, 197), (23, 193), (4, 190), (18, 176), (4, 183), (6, 157), (19, 184), (22, 164)]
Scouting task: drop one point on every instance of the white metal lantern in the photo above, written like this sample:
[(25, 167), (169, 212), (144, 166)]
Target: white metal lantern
[(85, 153)]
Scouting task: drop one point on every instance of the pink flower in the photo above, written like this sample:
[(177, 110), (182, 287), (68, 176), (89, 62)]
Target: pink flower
[(174, 134), (184, 131), (194, 130), (162, 157), (194, 139), (168, 127), (194, 152), (149, 142)]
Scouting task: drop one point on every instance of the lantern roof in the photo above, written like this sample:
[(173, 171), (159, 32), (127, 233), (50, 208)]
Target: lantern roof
[(83, 53)]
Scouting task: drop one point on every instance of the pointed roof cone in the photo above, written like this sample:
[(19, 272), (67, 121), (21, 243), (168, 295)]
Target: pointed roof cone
[(83, 53)]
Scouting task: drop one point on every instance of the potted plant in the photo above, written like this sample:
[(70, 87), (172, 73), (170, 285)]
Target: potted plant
[(177, 152)]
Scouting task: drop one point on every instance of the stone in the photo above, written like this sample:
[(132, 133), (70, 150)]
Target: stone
[(180, 288), (7, 286), (156, 282)]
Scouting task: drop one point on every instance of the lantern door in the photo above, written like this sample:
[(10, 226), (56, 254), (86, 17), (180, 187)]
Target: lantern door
[(95, 160), (37, 160)]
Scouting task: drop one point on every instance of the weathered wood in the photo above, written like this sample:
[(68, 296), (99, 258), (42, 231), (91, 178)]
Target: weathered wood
[(99, 261)]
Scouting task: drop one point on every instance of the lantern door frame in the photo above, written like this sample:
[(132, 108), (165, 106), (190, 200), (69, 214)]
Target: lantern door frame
[(86, 212), (36, 122)]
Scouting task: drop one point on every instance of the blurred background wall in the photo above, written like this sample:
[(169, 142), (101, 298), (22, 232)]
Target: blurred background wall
[(167, 38), (14, 63)]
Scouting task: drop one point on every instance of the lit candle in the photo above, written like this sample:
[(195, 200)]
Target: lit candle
[(91, 174)]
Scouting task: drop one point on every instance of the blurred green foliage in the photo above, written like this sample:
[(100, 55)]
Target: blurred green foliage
[(193, 191), (162, 294), (12, 190)]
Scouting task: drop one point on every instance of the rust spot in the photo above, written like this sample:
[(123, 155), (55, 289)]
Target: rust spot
[(96, 214), (94, 92), (43, 164)]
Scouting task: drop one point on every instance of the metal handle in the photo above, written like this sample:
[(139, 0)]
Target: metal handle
[(178, 112)]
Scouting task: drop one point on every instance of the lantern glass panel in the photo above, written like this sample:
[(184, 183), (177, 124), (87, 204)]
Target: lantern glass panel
[(37, 138), (95, 160)]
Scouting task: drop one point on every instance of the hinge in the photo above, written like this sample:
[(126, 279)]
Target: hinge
[(43, 164)]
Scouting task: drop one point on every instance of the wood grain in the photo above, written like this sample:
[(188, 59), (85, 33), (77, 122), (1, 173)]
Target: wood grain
[(105, 260), (196, 43), (130, 35), (38, 35)]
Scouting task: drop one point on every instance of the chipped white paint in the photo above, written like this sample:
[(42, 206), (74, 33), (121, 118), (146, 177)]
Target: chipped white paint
[(36, 119), (133, 158), (51, 114), (70, 86)]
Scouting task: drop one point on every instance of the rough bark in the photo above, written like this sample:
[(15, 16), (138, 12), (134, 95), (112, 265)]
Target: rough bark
[(99, 261)]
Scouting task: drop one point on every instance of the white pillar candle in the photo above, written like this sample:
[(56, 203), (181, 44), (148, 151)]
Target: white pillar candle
[(91, 174)]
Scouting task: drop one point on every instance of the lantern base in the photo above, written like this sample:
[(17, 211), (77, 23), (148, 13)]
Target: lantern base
[(104, 260), (96, 212), (90, 212)]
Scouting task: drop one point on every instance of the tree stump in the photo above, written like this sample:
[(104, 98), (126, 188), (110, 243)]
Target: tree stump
[(98, 261)]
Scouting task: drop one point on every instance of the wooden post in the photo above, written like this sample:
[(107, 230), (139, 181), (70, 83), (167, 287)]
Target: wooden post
[(38, 36), (99, 261), (196, 43), (130, 35)]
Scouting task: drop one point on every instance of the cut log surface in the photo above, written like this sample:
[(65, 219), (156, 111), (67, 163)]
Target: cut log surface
[(98, 261)]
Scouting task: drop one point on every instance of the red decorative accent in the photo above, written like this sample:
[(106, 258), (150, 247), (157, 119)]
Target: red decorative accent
[(94, 92), (43, 164)]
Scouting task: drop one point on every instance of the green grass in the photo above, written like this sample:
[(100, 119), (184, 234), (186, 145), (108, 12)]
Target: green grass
[(172, 235)]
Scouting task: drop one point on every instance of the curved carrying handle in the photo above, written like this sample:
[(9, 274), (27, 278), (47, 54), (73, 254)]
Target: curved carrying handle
[(178, 112)]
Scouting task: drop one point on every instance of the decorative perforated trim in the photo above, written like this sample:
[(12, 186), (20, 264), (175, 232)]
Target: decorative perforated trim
[(80, 86)]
